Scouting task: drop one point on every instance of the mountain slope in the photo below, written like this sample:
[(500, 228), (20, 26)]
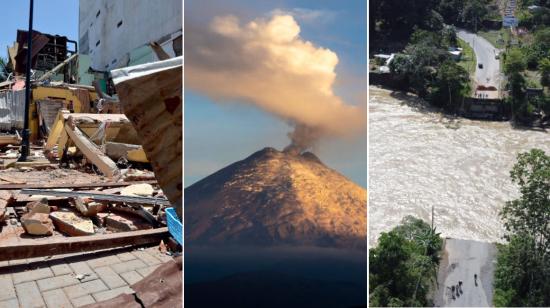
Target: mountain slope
[(275, 197)]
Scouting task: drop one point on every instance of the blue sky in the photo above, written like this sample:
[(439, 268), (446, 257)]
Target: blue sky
[(219, 134), (50, 16)]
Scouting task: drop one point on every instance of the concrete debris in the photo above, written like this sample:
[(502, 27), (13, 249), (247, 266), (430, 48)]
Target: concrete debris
[(87, 207), (123, 222), (145, 190), (37, 224), (72, 224), (39, 206)]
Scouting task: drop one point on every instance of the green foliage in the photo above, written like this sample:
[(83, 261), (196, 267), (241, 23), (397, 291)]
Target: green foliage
[(544, 68), (523, 265), (450, 86), (473, 13), (404, 265), (515, 62), (396, 19)]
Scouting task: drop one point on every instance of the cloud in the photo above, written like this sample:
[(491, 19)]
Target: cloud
[(307, 15), (266, 63)]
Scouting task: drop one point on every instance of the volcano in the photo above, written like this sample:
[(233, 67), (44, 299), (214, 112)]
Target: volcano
[(277, 198)]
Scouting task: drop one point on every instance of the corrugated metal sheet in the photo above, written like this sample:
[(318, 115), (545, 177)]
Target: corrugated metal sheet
[(12, 109)]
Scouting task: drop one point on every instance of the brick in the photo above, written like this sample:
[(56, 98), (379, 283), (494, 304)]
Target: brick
[(11, 303), (31, 275), (109, 276), (56, 299), (145, 257), (148, 270), (61, 269), (86, 288), (57, 282), (7, 291), (126, 256), (83, 301), (29, 295), (83, 268), (103, 261), (128, 266), (105, 295), (131, 277)]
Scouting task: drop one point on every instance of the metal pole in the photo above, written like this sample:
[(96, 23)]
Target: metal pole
[(26, 132)]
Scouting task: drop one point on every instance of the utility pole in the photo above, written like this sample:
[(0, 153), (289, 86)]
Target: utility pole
[(26, 132)]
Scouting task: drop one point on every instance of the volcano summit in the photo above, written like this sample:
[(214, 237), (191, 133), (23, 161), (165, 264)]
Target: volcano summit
[(277, 198)]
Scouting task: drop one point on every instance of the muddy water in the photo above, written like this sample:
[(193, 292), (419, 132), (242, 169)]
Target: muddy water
[(419, 158)]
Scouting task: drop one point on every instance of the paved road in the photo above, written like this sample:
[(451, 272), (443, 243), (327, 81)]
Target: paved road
[(461, 261), (489, 75)]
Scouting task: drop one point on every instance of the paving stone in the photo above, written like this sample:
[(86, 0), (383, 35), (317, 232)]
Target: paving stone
[(17, 262), (148, 270), (103, 261), (109, 276), (31, 275), (29, 295), (128, 266), (105, 295), (82, 268), (162, 257), (56, 299), (11, 303), (61, 269), (146, 257), (86, 288), (83, 301), (57, 282), (7, 290), (126, 256), (131, 277)]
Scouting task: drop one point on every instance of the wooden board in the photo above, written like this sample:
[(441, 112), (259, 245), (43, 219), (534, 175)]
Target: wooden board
[(49, 246), (92, 152)]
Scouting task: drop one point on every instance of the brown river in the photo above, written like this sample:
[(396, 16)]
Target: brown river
[(419, 158)]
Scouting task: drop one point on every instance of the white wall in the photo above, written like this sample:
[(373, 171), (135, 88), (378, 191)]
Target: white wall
[(143, 21)]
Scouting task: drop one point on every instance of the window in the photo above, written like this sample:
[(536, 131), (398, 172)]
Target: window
[(119, 24), (97, 43)]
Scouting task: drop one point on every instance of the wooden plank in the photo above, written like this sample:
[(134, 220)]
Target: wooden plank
[(43, 247), (92, 152), (72, 185), (56, 130)]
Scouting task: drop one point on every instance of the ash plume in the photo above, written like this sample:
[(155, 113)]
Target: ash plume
[(266, 63)]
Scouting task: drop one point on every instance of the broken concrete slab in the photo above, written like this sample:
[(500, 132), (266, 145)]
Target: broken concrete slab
[(39, 206), (86, 207), (72, 224), (145, 190), (125, 222), (37, 224)]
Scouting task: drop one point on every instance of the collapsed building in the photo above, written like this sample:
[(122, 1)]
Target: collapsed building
[(105, 112)]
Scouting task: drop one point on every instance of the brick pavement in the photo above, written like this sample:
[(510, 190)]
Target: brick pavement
[(51, 282)]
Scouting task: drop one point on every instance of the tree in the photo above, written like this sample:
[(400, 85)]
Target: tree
[(544, 68), (450, 87), (473, 13), (530, 214), (523, 265), (404, 265), (515, 62)]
